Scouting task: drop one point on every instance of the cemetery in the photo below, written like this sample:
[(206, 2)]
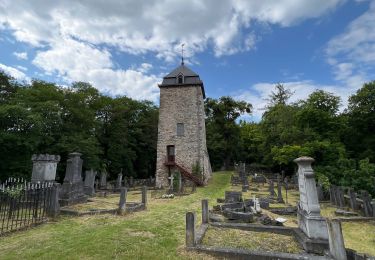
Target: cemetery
[(245, 233), (259, 221), (166, 172)]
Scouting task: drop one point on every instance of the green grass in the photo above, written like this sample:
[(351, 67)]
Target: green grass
[(157, 233), (251, 240)]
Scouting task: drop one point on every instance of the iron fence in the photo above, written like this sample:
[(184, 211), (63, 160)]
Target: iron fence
[(23, 204)]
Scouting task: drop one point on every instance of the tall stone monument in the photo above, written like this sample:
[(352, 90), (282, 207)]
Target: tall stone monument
[(72, 189), (181, 129), (44, 167), (309, 219)]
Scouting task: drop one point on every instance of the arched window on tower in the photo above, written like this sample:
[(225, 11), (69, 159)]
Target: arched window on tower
[(180, 79)]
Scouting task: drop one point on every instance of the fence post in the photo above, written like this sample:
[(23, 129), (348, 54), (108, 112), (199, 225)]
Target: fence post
[(122, 203), (53, 209), (190, 229), (144, 196), (204, 211)]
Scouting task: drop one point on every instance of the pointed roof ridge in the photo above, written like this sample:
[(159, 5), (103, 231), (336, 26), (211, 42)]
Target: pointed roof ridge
[(182, 69)]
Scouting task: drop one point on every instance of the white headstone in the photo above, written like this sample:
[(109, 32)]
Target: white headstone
[(309, 219)]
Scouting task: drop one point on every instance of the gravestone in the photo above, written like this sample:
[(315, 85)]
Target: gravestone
[(179, 182), (319, 190), (44, 167), (353, 199), (89, 182), (171, 180), (53, 209), (256, 205), (131, 181), (103, 180), (272, 189), (119, 181), (309, 219), (233, 196), (72, 188), (336, 240), (340, 197), (122, 202), (279, 194), (367, 207), (333, 195)]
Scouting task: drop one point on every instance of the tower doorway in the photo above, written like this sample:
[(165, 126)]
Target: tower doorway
[(170, 153)]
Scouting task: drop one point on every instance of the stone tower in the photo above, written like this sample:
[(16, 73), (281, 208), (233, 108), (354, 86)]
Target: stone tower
[(181, 130)]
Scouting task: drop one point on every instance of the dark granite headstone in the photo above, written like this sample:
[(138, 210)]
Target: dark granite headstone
[(233, 196), (239, 216)]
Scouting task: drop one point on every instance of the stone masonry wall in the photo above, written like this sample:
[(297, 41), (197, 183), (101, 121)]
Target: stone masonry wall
[(181, 105)]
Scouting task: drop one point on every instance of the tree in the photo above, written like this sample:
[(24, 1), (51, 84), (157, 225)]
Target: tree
[(360, 135), (223, 134), (280, 96), (319, 114)]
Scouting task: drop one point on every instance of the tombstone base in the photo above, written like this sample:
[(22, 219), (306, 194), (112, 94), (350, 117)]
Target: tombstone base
[(89, 191), (72, 193), (314, 227)]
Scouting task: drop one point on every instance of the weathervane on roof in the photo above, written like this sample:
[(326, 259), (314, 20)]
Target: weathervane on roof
[(182, 53)]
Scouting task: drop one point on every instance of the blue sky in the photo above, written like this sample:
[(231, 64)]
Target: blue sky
[(239, 48)]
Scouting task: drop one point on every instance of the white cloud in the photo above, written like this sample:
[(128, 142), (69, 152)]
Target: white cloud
[(15, 73), (352, 53), (77, 61), (258, 93), (67, 33), (20, 55), (158, 25)]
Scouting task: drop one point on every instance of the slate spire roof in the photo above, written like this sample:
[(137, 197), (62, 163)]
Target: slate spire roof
[(182, 69), (189, 78)]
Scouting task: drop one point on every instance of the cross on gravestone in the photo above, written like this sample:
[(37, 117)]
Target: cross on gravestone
[(171, 178)]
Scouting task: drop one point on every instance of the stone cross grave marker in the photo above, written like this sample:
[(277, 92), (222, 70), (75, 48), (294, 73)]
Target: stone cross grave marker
[(171, 178)]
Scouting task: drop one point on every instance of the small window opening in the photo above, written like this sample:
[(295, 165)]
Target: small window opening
[(180, 129), (180, 79)]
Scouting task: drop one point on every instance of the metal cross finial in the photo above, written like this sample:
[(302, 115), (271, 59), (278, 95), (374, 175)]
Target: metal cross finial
[(182, 53)]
